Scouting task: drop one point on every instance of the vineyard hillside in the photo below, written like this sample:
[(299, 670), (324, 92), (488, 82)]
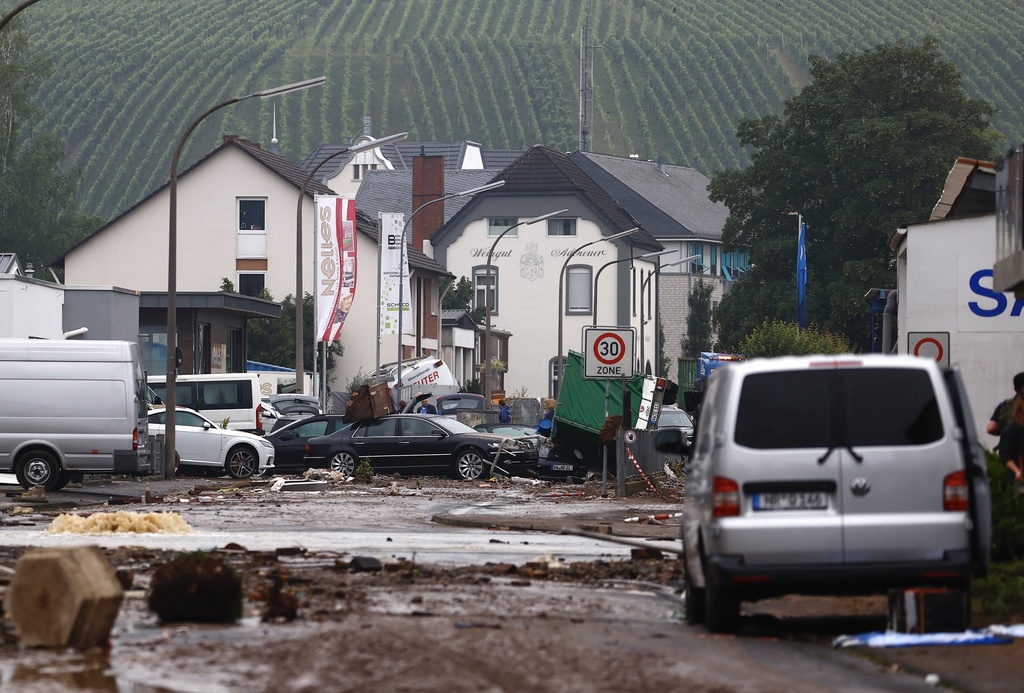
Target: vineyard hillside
[(671, 77)]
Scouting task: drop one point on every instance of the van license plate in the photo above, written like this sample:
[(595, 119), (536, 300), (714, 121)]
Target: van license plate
[(561, 467), (802, 500)]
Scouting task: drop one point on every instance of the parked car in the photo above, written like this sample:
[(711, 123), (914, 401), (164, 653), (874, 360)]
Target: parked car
[(201, 443), (557, 462), (231, 397), (830, 475), (674, 417), (420, 444), (281, 410), (290, 440), (451, 404)]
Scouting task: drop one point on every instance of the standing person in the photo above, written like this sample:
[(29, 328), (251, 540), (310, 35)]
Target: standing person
[(504, 412), (425, 407), (546, 421), (1004, 410), (1011, 443)]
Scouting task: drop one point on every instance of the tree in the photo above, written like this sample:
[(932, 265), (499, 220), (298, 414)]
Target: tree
[(862, 150), (780, 338), (39, 217), (460, 297), (698, 322)]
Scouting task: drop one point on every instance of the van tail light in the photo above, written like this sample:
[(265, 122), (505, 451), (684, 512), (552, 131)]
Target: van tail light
[(259, 417), (135, 439), (725, 495), (954, 492)]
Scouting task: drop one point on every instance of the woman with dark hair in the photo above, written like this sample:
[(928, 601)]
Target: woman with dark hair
[(1011, 442)]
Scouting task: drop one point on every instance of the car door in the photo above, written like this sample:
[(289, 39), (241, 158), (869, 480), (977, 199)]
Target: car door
[(196, 444), (424, 447), (378, 441), (290, 444), (899, 447)]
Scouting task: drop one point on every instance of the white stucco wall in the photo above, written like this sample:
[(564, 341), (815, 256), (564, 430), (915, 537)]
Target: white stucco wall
[(30, 308), (132, 252), (528, 268), (944, 277)]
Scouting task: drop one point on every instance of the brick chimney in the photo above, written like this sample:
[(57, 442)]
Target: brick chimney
[(427, 185)]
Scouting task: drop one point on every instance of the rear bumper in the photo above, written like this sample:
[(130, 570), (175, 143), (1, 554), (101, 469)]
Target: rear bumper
[(762, 581)]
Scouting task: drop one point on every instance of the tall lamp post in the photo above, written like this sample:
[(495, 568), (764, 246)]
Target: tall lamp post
[(488, 299), (299, 299), (403, 252), (597, 276), (170, 399), (561, 284)]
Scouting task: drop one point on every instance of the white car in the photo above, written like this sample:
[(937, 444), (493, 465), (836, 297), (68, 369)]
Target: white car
[(202, 443)]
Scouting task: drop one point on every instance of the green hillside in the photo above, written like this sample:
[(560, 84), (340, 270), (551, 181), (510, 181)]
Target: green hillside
[(671, 77)]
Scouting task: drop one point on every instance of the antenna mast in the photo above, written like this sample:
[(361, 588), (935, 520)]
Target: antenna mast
[(586, 82)]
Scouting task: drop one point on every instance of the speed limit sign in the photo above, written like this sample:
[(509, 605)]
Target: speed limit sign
[(608, 352)]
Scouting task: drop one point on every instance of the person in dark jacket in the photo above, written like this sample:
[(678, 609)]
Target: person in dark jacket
[(1011, 443)]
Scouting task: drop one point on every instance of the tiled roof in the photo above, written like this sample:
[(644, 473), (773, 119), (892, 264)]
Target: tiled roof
[(401, 154), (390, 192), (669, 201), (417, 259)]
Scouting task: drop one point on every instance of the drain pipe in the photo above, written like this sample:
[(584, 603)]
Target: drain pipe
[(891, 310)]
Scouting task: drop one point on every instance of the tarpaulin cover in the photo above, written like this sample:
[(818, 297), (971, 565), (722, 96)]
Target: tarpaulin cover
[(894, 639)]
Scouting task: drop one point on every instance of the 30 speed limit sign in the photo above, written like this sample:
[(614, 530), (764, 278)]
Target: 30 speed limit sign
[(608, 352)]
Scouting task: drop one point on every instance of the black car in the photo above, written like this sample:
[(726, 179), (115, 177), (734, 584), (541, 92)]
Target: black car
[(421, 444), (281, 410), (289, 441)]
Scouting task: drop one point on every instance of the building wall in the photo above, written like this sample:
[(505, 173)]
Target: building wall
[(133, 251), (108, 312), (528, 267), (30, 308), (945, 286), (675, 311)]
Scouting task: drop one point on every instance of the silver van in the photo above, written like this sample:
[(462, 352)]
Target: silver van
[(71, 407), (849, 474)]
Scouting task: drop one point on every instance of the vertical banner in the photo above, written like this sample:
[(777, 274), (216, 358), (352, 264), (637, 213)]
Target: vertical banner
[(394, 271), (335, 264), (801, 276)]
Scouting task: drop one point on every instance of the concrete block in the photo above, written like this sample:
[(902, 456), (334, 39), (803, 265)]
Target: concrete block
[(65, 597)]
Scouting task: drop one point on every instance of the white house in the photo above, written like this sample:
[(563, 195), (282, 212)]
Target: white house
[(947, 307), (530, 260)]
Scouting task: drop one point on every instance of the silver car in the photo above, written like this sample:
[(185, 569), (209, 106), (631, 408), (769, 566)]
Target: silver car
[(831, 475)]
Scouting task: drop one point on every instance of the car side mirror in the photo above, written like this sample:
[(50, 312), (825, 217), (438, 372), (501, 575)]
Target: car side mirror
[(671, 440), (207, 425)]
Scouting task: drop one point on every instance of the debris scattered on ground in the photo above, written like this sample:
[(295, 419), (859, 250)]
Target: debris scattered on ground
[(120, 522), (36, 494), (196, 587)]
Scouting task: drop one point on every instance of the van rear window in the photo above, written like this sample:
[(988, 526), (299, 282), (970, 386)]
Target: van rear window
[(825, 408)]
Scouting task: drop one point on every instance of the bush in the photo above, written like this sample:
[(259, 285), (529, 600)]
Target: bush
[(779, 338), (1007, 513), (1001, 594), (364, 472)]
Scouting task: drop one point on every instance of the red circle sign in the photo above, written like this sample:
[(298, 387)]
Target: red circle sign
[(609, 348), (930, 341)]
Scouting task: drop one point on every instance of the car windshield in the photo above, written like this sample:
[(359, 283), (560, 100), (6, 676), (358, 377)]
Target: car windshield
[(676, 418), (453, 425)]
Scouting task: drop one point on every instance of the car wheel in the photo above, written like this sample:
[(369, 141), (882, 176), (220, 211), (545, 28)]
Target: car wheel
[(39, 468), (694, 601), (470, 464), (344, 463), (242, 462), (721, 606)]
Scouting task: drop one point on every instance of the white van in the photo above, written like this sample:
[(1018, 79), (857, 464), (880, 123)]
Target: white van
[(231, 397), (71, 407)]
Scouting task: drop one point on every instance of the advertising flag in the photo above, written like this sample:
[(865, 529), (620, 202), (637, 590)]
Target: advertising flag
[(394, 272), (801, 277), (335, 253)]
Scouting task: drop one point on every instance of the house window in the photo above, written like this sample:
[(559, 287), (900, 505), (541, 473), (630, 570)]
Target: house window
[(697, 264), (561, 227), (153, 345), (579, 289), (480, 288), (498, 226), (554, 377), (251, 283), (252, 215), (359, 170), (714, 261), (234, 351)]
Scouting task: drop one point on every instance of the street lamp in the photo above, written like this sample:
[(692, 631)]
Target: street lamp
[(170, 399), (401, 264), (299, 299), (10, 15), (488, 299), (561, 282), (614, 262)]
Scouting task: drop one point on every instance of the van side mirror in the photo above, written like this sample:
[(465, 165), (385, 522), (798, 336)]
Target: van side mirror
[(671, 440)]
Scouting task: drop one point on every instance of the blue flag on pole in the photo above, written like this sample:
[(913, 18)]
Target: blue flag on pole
[(801, 278)]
